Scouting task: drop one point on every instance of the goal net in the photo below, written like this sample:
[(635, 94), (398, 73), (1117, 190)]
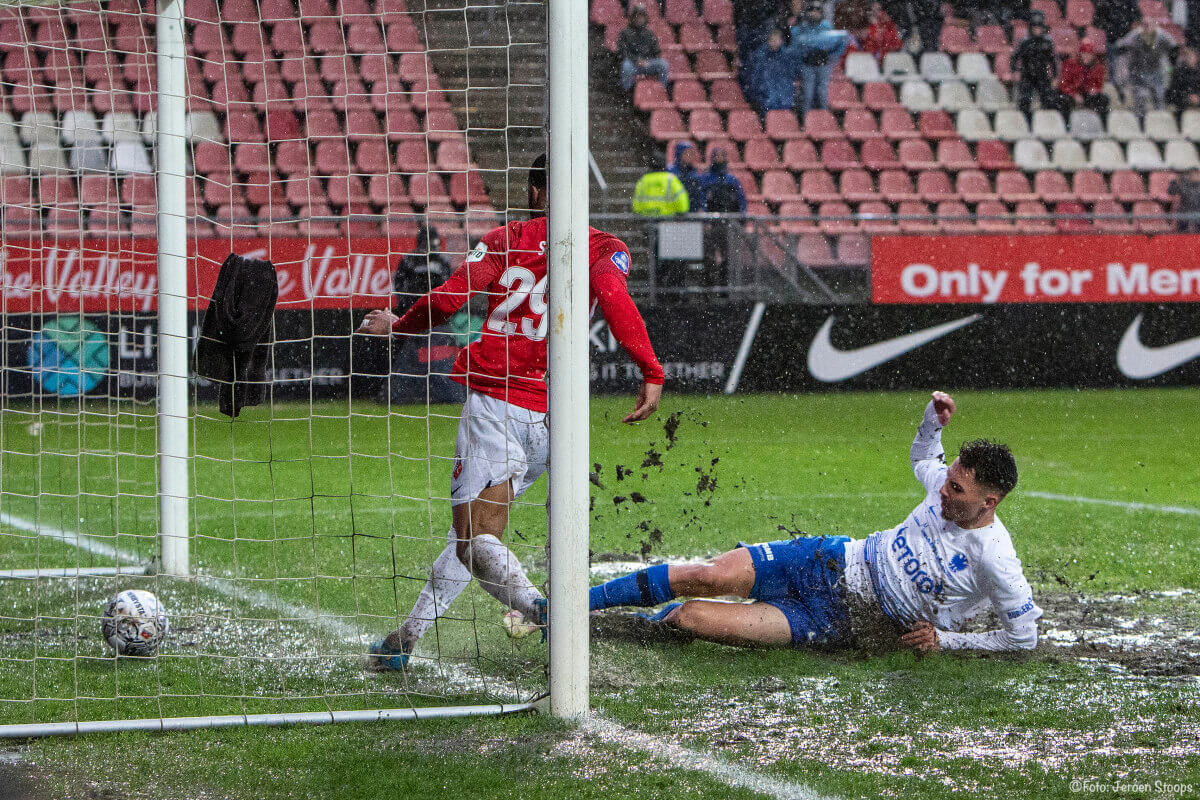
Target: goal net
[(360, 146)]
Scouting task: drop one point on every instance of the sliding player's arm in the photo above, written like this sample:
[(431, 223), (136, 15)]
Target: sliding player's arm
[(1012, 600), (482, 266), (927, 455), (628, 327)]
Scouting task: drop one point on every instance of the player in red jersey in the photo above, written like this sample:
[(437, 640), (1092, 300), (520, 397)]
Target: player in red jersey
[(503, 443)]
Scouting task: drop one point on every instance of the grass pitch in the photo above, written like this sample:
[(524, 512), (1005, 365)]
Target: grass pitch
[(313, 532)]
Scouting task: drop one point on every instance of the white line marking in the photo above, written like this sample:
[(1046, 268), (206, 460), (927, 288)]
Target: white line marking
[(674, 754), (680, 757), (1129, 506)]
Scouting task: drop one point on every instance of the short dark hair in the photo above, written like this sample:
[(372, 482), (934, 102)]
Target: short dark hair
[(992, 464), (537, 172)]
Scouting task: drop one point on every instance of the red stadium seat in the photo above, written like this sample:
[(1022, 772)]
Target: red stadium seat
[(402, 123), (974, 187), (695, 37), (744, 125), (666, 123), (1089, 186), (711, 65), (252, 157), (1152, 221), (1013, 187), (878, 155), (1111, 217), (778, 186), (993, 155), (243, 126), (428, 189), (934, 186), (387, 190), (896, 186), (726, 95), (834, 217), (853, 250), (857, 186), (782, 125), (332, 157), (1080, 13), (364, 36), (688, 95), (954, 155), (762, 155), (1027, 217), (680, 12), (347, 191), (1068, 225), (718, 12), (800, 154), (994, 217), (607, 12), (453, 156), (362, 125), (897, 123), (843, 96), (876, 217), (467, 189), (705, 124), (953, 216), (915, 154), (816, 186), (955, 39), (920, 220), (731, 151), (794, 226), (1127, 186), (1051, 10), (1052, 187), (649, 94), (264, 194), (372, 156), (1160, 182), (859, 124), (838, 154), (879, 96), (412, 156), (820, 124), (813, 250), (749, 184), (937, 125)]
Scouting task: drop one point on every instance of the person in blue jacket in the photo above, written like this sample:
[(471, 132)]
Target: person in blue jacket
[(817, 49), (773, 75), (685, 168)]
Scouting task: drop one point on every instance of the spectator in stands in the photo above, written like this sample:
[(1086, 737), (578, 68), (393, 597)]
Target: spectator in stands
[(853, 15), (818, 48), (1081, 82), (752, 24), (1116, 18), (638, 49), (1034, 59), (659, 193), (684, 167), (773, 75), (1185, 191), (922, 16), (1148, 50), (1184, 91), (881, 36), (723, 194)]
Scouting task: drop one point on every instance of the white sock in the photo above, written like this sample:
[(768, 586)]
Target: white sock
[(446, 582), (500, 574)]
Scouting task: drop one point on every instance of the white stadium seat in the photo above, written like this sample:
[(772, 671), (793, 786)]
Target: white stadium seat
[(990, 95), (937, 67), (1160, 126), (1086, 125), (46, 157), (974, 125), (203, 125), (899, 67), (1106, 155), (917, 96), (1123, 126), (79, 126), (38, 126), (1143, 154), (12, 156), (118, 125), (1189, 125), (862, 68), (1011, 125), (1181, 155), (974, 67), (1030, 155), (1048, 125), (954, 96), (130, 156), (1069, 155)]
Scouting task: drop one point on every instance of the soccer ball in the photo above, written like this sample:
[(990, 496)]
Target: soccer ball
[(515, 625), (134, 623)]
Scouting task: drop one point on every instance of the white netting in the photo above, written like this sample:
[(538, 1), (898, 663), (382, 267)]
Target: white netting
[(332, 140)]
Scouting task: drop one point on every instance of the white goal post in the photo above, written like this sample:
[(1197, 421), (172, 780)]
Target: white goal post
[(177, 565)]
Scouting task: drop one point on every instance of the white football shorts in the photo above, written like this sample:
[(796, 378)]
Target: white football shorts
[(497, 441)]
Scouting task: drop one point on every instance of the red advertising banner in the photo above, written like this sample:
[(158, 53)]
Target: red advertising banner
[(101, 275), (1035, 269)]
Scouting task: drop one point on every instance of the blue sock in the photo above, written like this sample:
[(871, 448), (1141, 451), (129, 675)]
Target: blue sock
[(646, 587)]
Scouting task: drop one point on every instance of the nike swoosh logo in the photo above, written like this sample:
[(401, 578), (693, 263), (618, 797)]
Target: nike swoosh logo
[(1137, 361), (828, 364)]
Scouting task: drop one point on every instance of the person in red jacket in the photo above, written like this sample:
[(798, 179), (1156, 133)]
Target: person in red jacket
[(1081, 82), (503, 442), (882, 36)]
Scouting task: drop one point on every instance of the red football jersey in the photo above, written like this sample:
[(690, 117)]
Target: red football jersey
[(509, 361)]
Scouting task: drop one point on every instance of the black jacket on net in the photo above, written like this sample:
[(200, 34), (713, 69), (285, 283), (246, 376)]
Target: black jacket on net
[(1035, 59), (235, 338)]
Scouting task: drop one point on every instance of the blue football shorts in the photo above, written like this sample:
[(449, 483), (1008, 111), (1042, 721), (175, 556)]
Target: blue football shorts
[(803, 579)]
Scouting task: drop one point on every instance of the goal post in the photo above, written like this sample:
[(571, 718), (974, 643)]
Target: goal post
[(286, 541), (568, 374)]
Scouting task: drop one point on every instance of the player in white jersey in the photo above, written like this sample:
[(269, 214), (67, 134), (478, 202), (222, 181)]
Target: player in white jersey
[(949, 561)]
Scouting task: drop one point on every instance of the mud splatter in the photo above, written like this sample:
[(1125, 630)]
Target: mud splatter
[(637, 497), (671, 428), (653, 459)]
